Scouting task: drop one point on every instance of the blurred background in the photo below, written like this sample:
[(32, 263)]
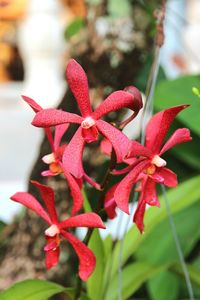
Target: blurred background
[(114, 41), (36, 40)]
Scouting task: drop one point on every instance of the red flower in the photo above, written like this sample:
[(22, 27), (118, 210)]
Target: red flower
[(150, 168), (90, 123), (57, 229)]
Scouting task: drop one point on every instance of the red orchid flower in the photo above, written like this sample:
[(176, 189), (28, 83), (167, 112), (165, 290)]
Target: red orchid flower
[(150, 168), (54, 159), (57, 230), (90, 123)]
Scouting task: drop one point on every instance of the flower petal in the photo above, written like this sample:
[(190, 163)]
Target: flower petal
[(106, 147), (170, 178), (78, 83), (136, 149), (123, 189), (93, 183), (75, 191), (59, 132), (31, 202), (138, 217), (158, 127), (83, 220), (72, 157), (119, 140), (52, 117), (109, 202), (181, 135), (87, 260), (34, 105), (149, 192), (114, 101), (48, 196), (47, 173), (52, 258)]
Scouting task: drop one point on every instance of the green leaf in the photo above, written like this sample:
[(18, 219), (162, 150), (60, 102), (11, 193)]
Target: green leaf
[(188, 230), (133, 276), (180, 198), (73, 28), (179, 91), (119, 8), (94, 283), (193, 272), (164, 286), (32, 290)]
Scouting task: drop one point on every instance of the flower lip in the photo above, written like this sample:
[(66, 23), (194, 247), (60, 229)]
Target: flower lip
[(52, 231), (158, 161), (87, 122)]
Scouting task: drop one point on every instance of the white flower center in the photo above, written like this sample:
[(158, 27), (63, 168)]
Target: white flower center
[(87, 123), (52, 230), (158, 161)]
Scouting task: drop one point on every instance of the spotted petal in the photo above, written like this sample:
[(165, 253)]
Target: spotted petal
[(75, 191), (48, 196), (114, 101), (59, 132), (170, 178), (78, 83), (87, 260), (52, 258), (83, 220), (123, 190), (51, 117), (31, 202), (158, 126), (72, 157), (119, 140), (181, 135)]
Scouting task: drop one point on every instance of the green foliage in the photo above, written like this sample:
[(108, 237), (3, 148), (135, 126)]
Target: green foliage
[(164, 286), (94, 283), (32, 290), (37, 290)]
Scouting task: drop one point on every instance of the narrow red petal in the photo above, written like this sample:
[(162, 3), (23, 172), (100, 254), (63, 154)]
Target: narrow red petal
[(52, 258), (123, 190), (109, 202), (47, 173), (170, 178), (48, 196), (72, 157), (181, 135), (136, 149), (139, 214), (87, 260), (114, 101), (78, 83), (31, 202), (158, 126), (119, 140), (59, 132), (83, 220), (93, 183), (34, 105), (75, 191), (149, 192), (52, 117)]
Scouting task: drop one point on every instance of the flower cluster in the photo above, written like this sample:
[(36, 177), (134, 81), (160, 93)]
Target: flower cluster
[(145, 167)]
